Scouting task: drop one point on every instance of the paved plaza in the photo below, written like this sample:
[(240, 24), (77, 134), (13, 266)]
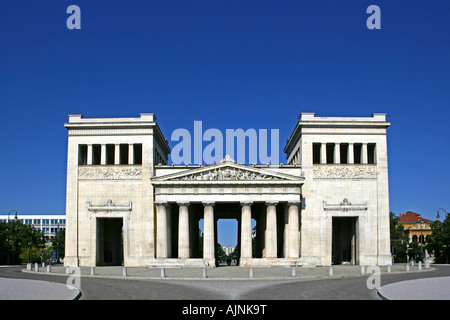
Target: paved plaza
[(225, 282)]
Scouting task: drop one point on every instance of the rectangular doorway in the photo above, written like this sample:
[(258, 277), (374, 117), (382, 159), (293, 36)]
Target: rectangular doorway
[(109, 242), (344, 241)]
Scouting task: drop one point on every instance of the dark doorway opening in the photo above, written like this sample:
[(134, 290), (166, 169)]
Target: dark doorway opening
[(344, 242), (109, 241)]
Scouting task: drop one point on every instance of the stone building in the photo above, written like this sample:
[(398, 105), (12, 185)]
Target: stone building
[(328, 205)]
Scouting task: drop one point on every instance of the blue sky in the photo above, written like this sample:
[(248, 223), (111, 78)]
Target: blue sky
[(231, 64)]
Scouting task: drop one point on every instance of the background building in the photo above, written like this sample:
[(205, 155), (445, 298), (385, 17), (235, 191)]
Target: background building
[(49, 224), (416, 228)]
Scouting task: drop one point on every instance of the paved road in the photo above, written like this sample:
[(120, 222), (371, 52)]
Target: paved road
[(347, 287)]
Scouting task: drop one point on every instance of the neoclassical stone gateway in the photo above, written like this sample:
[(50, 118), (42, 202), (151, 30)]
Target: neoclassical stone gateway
[(328, 205)]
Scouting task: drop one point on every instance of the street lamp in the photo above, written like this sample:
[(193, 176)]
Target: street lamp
[(421, 238), (438, 216)]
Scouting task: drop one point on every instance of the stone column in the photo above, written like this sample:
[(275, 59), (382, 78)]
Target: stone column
[(286, 231), (103, 155), (130, 154), (350, 154), (337, 153), (246, 230), (208, 232), (271, 230), (89, 154), (161, 231), (117, 153), (183, 231), (294, 234), (323, 153), (364, 153)]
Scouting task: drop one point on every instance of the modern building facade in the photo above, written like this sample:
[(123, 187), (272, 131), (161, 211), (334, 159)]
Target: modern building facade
[(49, 224), (328, 205)]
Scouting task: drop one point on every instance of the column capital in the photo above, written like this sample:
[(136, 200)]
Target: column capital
[(183, 203), (208, 203), (246, 203), (271, 203), (161, 203), (294, 202)]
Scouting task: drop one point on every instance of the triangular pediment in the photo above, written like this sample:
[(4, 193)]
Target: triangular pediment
[(228, 171)]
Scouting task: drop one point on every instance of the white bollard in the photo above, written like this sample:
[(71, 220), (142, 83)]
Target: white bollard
[(294, 272), (205, 275), (427, 264), (49, 268), (251, 273), (92, 271), (407, 267), (124, 273), (163, 273), (330, 272), (36, 267), (389, 268), (420, 265), (363, 270), (28, 266)]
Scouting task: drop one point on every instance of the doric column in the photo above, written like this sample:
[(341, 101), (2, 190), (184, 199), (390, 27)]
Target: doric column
[(183, 231), (286, 231), (89, 154), (117, 153), (271, 230), (350, 154), (208, 231), (130, 154), (294, 235), (364, 153), (103, 155), (246, 230), (337, 153), (323, 153), (161, 231)]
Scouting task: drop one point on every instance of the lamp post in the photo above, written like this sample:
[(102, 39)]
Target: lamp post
[(446, 216), (8, 253), (421, 239), (438, 216)]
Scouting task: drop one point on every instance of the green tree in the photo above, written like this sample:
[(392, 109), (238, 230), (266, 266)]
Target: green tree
[(59, 240), (18, 241), (399, 241), (439, 241)]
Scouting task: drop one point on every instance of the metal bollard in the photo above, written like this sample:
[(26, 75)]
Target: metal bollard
[(124, 273), (205, 275)]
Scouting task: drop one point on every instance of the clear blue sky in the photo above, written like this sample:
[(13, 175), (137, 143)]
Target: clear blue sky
[(232, 64)]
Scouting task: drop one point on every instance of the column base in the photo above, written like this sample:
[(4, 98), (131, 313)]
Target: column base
[(70, 261), (179, 263), (270, 262)]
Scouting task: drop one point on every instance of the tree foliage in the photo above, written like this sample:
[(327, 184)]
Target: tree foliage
[(439, 241), (20, 243)]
